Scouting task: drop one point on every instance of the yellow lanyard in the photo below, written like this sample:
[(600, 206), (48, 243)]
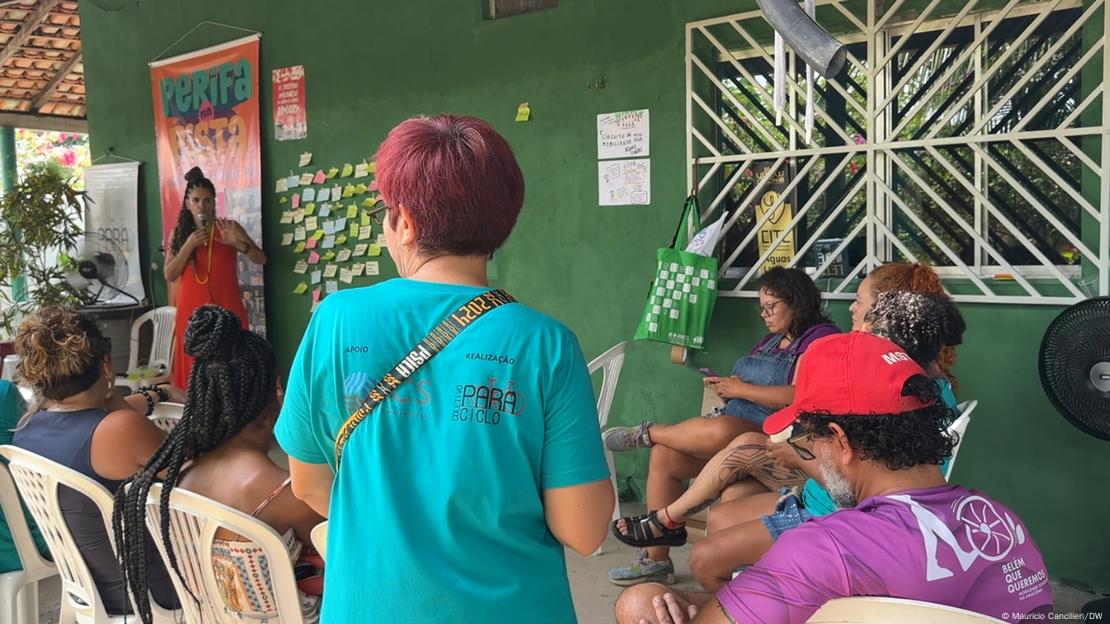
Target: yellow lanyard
[(211, 238)]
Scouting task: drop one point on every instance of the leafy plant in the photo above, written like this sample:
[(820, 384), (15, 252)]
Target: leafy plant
[(40, 223)]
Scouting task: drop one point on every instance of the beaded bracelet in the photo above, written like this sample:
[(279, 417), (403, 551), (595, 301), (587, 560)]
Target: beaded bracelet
[(163, 396)]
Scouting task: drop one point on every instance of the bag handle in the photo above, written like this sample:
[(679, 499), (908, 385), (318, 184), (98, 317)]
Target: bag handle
[(440, 336), (690, 204)]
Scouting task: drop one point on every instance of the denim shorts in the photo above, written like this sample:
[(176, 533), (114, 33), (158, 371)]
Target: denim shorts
[(789, 512)]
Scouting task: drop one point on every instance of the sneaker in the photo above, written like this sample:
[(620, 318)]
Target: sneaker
[(643, 570), (627, 438)]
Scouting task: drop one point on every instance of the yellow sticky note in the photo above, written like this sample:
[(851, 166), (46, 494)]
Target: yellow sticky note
[(332, 172), (348, 191), (300, 289), (299, 248), (353, 230), (329, 256), (309, 208), (340, 239), (374, 250), (365, 219), (369, 202), (283, 200), (318, 234), (372, 167), (348, 169), (352, 212), (360, 189), (523, 112)]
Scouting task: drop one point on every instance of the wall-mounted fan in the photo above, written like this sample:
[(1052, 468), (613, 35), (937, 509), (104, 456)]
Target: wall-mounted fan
[(97, 269)]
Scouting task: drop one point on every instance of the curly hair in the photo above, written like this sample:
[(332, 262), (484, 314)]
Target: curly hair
[(800, 294), (61, 352), (898, 441), (231, 384), (922, 324), (919, 278), (186, 224)]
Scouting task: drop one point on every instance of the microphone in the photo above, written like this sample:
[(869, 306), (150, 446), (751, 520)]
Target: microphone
[(204, 221)]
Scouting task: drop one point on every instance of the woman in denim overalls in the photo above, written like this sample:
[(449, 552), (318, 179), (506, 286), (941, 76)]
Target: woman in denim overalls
[(760, 383)]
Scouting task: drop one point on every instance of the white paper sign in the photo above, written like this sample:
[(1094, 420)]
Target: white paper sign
[(113, 213), (624, 182), (623, 135)]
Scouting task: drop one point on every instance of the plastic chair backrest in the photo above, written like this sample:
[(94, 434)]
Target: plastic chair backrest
[(959, 427), (609, 363), (194, 520), (38, 480), (161, 344), (167, 415), (320, 539), (881, 610), (7, 371), (34, 566)]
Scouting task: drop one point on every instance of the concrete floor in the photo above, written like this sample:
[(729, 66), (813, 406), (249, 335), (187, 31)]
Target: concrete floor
[(594, 595)]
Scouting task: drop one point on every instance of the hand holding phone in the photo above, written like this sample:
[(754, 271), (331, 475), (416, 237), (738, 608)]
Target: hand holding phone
[(708, 372)]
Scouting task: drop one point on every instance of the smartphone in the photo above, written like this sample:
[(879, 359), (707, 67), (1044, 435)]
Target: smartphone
[(708, 372)]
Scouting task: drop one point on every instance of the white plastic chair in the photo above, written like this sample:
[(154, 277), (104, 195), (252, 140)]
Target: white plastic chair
[(7, 371), (167, 415), (320, 539), (194, 520), (610, 364), (959, 427), (38, 480), (880, 610), (162, 339), (19, 596)]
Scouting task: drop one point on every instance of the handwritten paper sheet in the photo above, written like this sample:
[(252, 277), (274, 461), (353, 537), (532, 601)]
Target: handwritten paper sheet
[(623, 135), (624, 182)]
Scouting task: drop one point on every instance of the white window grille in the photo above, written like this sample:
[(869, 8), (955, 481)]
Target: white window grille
[(973, 140)]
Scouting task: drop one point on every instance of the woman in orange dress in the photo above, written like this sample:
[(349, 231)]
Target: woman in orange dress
[(202, 254)]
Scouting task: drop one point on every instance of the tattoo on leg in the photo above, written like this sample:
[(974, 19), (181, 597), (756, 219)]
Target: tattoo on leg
[(728, 617), (751, 460), (700, 506)]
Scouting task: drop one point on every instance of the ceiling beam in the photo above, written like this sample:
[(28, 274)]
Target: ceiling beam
[(48, 91), (30, 25), (43, 122)]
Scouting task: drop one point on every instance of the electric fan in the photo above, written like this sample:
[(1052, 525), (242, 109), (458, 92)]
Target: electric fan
[(98, 263)]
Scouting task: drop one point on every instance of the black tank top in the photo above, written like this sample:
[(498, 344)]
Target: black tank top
[(66, 438)]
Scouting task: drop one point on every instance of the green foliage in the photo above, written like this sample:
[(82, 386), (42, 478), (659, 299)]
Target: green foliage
[(40, 222)]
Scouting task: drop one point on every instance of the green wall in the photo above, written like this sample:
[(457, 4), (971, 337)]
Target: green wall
[(371, 64)]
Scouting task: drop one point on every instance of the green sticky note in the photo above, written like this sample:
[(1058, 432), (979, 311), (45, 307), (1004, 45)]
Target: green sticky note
[(309, 208), (328, 256), (283, 200), (332, 172), (353, 229), (348, 191), (300, 289), (348, 170), (369, 202), (523, 112), (318, 234), (352, 212), (360, 189), (340, 239), (372, 166), (299, 248), (365, 218), (374, 250)]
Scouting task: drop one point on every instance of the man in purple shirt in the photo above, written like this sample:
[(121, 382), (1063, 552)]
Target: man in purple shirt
[(867, 424)]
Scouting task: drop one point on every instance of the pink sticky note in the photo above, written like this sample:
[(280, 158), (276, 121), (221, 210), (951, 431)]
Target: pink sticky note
[(373, 186), (296, 200), (311, 243), (320, 178), (313, 258), (315, 295)]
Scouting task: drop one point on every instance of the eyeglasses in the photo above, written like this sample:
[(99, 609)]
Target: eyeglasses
[(804, 453), (377, 210), (769, 309)]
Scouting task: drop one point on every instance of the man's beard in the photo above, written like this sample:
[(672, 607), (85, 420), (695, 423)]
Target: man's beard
[(841, 491)]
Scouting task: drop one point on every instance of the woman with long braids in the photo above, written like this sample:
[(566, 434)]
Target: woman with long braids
[(224, 435), (201, 259), (81, 424)]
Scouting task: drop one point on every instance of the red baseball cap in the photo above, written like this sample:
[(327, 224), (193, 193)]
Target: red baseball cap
[(854, 373)]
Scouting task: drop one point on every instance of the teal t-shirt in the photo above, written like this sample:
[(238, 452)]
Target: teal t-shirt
[(437, 514), (11, 409), (816, 497)]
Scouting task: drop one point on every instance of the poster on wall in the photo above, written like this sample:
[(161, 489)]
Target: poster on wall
[(206, 114), (290, 117), (623, 135), (773, 228), (624, 182), (112, 217)]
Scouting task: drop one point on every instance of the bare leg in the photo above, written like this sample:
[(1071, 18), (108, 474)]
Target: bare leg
[(634, 603), (745, 456), (733, 513), (740, 489), (713, 559), (666, 473), (700, 437)]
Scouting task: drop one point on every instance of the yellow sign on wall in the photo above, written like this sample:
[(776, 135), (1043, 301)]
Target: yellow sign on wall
[(783, 255)]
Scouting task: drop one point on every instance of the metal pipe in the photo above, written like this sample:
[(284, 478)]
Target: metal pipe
[(820, 50)]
